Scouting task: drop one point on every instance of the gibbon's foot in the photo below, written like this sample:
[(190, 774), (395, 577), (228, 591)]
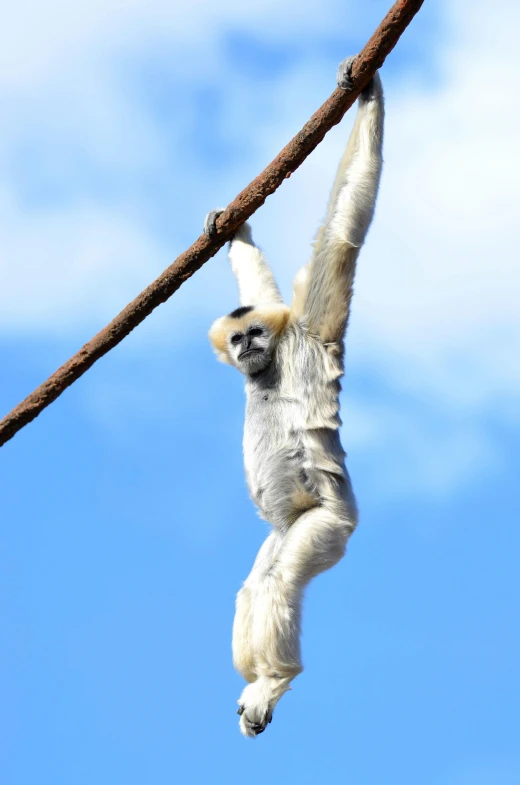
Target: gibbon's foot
[(344, 78), (257, 702), (254, 710), (252, 729), (210, 223)]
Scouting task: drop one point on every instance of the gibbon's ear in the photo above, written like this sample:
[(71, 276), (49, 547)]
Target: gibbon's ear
[(218, 335)]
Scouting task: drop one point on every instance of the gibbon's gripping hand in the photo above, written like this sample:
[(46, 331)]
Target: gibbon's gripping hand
[(210, 227), (344, 81), (210, 222)]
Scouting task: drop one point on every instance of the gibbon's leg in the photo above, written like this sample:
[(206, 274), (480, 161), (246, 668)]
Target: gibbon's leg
[(314, 543), (243, 654), (256, 282)]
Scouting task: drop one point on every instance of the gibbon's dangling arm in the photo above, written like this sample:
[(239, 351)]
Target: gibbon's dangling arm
[(256, 282), (323, 290)]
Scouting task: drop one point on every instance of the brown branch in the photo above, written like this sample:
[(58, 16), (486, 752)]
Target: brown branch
[(250, 199)]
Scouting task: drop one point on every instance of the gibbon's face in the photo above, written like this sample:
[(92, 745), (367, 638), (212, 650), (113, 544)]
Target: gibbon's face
[(250, 346), (247, 337)]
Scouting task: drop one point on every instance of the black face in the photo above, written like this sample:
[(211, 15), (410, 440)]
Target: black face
[(247, 344)]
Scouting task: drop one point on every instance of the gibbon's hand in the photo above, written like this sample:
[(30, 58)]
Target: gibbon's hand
[(210, 227), (210, 222), (344, 80)]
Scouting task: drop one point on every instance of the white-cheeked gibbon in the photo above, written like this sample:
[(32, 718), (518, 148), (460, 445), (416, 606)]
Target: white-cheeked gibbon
[(292, 360)]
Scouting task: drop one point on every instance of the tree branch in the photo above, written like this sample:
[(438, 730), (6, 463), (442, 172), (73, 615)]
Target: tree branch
[(250, 199)]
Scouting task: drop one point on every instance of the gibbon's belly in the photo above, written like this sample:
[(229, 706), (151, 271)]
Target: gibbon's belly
[(289, 468), (280, 485), (292, 452)]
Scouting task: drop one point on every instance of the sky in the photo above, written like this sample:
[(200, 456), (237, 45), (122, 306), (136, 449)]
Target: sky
[(125, 521)]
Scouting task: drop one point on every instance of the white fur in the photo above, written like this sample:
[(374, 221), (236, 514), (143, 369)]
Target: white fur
[(255, 280), (293, 457)]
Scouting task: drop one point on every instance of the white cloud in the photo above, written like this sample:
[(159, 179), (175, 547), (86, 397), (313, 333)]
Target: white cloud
[(78, 141), (435, 312), (95, 261), (437, 289), (39, 41), (416, 450)]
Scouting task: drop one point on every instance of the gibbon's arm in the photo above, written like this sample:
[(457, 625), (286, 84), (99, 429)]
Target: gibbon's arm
[(256, 283), (323, 289)]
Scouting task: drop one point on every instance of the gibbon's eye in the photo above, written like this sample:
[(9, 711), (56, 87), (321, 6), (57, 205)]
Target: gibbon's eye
[(255, 332), (236, 338)]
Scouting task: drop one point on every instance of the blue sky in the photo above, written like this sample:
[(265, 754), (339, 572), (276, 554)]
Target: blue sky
[(126, 524)]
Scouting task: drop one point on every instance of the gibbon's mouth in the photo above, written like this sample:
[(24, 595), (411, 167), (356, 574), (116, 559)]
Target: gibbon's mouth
[(250, 351)]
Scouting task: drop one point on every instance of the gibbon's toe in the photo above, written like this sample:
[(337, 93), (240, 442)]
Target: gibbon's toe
[(254, 710), (251, 727)]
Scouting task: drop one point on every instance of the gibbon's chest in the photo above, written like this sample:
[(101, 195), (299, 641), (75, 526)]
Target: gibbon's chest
[(297, 394), (291, 427)]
